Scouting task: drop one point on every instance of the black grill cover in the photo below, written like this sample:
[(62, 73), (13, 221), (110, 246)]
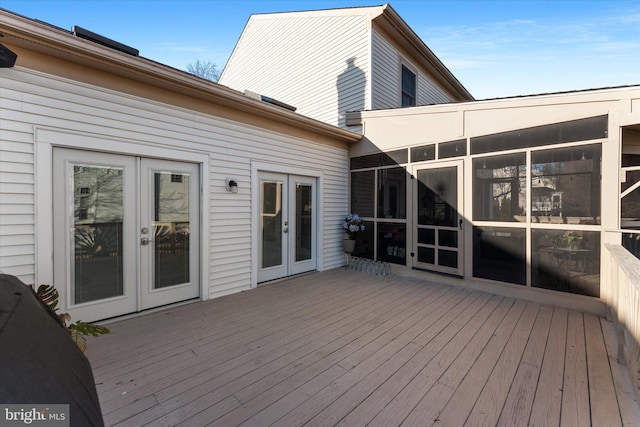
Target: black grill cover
[(39, 363)]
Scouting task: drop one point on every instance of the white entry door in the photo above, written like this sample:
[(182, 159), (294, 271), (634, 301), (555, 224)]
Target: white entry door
[(438, 219), (288, 225), (126, 232)]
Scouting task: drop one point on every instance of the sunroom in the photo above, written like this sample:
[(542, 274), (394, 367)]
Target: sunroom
[(516, 196)]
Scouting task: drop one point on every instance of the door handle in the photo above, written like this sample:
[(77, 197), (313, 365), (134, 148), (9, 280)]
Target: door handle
[(145, 241), (460, 224), (285, 229)]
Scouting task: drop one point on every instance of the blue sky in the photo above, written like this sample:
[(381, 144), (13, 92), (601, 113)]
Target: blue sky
[(495, 48)]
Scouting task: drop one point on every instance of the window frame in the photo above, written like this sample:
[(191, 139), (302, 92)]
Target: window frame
[(374, 222), (412, 96)]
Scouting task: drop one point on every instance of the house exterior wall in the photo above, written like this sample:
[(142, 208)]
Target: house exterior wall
[(385, 73), (35, 103), (317, 64), (386, 77), (326, 63)]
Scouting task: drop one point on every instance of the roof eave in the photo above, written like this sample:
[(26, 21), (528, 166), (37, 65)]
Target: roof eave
[(390, 20)]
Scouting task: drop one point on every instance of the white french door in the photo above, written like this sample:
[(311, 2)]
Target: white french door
[(437, 218), (288, 225), (126, 232), (169, 232)]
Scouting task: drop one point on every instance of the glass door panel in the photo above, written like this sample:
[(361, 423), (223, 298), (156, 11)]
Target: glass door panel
[(171, 229), (287, 225), (302, 221), (437, 197), (438, 217), (274, 227), (97, 233), (126, 232), (94, 210), (169, 233), (271, 223)]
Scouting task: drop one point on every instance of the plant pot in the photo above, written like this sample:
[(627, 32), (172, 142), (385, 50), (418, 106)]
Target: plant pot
[(348, 245)]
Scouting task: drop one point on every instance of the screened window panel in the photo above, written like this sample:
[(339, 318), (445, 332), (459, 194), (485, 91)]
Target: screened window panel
[(566, 261), (392, 193), (499, 188), (565, 185), (363, 187), (499, 254)]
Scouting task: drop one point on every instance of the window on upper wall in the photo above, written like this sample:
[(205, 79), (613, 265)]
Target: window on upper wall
[(408, 87)]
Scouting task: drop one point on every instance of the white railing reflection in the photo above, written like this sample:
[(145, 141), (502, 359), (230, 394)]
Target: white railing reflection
[(366, 265), (621, 292)]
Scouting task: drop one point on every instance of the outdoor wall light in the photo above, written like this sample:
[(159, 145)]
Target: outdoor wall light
[(231, 185)]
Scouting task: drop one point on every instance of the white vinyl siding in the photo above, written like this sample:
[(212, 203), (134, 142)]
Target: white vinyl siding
[(299, 60), (17, 197), (430, 93), (31, 100), (386, 78)]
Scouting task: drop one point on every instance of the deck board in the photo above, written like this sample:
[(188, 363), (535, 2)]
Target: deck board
[(440, 337), (494, 393), (409, 383), (458, 407), (604, 409), (517, 407), (348, 348), (547, 403), (575, 390), (629, 409), (440, 377)]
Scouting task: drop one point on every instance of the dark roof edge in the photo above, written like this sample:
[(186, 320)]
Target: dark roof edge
[(401, 25), (564, 92), (354, 114)]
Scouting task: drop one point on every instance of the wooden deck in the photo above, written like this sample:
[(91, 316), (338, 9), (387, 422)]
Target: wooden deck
[(347, 348)]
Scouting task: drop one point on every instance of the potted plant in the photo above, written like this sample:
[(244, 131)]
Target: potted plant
[(352, 224), (79, 330), (568, 240)]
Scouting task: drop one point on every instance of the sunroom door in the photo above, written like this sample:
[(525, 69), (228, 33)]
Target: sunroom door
[(287, 239), (438, 221)]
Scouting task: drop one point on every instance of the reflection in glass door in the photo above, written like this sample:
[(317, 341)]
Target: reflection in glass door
[(273, 226), (169, 234), (438, 219), (92, 218), (302, 220), (98, 213), (287, 225)]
